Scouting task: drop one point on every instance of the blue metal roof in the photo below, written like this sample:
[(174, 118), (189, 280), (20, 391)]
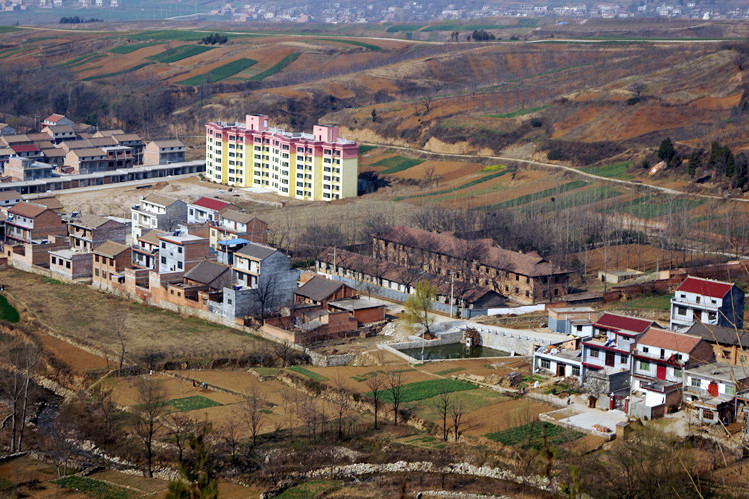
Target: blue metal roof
[(232, 242)]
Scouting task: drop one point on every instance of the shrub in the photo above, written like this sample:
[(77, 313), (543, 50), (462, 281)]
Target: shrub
[(537, 123), (556, 155)]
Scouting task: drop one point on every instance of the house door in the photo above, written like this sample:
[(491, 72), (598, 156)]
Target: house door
[(712, 388), (661, 372), (560, 369), (610, 358)]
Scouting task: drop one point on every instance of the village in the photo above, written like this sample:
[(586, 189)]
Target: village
[(504, 333)]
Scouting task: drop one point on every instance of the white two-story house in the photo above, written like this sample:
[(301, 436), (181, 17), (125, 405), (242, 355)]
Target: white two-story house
[(206, 210), (711, 390), (707, 301), (157, 212), (180, 251), (660, 358)]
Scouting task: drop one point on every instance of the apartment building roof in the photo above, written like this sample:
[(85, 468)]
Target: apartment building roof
[(127, 137), (25, 148), (705, 287), (108, 133), (44, 144), (38, 136), (26, 209), (623, 323), (88, 152), (111, 249), (15, 139), (166, 143), (211, 203), (55, 153), (103, 141)]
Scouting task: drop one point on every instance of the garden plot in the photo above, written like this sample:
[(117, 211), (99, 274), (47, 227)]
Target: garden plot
[(534, 435), (355, 378), (180, 394)]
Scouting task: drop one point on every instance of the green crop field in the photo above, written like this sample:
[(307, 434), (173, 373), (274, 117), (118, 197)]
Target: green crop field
[(221, 72), (192, 403), (397, 164), (457, 188), (404, 27), (175, 54), (617, 170), (266, 371), (366, 149), (278, 67), (313, 488), (657, 302), (7, 311), (93, 488), (450, 371), (118, 73), (373, 48), (126, 49), (306, 372), (531, 435), (522, 23), (581, 198), (529, 198), (650, 207), (519, 112), (372, 374), (426, 389), (174, 35)]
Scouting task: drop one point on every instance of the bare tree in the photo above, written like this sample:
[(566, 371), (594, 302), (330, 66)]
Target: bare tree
[(395, 388), (230, 436), (57, 439), (20, 359), (443, 404), (265, 295), (181, 428), (252, 411), (456, 413), (376, 384), (342, 401), (147, 413), (262, 353), (116, 325), (285, 351)]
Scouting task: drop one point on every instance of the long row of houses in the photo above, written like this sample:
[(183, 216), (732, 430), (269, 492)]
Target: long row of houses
[(702, 360), (206, 258), (66, 148)]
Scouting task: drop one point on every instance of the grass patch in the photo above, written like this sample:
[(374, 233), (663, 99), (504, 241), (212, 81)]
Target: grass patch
[(313, 488), (277, 68), (306, 372), (366, 149), (458, 188), (172, 35), (657, 302), (530, 436), (450, 371), (397, 164), (8, 29), (584, 197), (126, 49), (117, 73), (519, 112), (404, 27), (372, 374), (649, 207), (175, 54), (529, 198), (221, 72), (493, 168), (193, 403), (94, 488), (560, 388), (267, 371), (522, 23), (81, 60), (617, 170), (369, 46), (426, 389), (50, 280), (8, 312)]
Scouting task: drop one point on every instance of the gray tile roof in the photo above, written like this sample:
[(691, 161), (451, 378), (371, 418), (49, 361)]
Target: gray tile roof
[(318, 288), (256, 251)]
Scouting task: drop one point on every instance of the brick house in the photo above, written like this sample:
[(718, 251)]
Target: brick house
[(110, 261), (234, 224), (89, 231), (707, 301), (523, 277), (180, 251), (267, 272), (163, 152), (29, 222), (88, 160), (58, 133), (22, 169), (730, 345), (319, 291), (70, 264)]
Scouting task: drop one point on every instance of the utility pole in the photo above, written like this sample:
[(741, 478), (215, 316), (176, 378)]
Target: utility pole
[(452, 278)]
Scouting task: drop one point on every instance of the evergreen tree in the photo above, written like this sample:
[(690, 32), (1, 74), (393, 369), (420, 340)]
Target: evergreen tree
[(666, 151), (694, 163)]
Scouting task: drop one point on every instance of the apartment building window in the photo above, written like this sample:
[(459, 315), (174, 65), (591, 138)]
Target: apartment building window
[(299, 193)]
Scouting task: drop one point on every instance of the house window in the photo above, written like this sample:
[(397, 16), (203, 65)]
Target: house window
[(545, 364), (163, 259), (575, 371), (96, 272), (696, 382), (645, 349), (623, 358), (730, 390), (707, 414), (594, 353), (698, 299), (644, 365), (678, 373), (54, 260), (681, 310)]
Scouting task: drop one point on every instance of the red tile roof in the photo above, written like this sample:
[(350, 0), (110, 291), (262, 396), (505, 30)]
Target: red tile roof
[(27, 210), (25, 148), (211, 204), (661, 338), (623, 323), (705, 287)]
